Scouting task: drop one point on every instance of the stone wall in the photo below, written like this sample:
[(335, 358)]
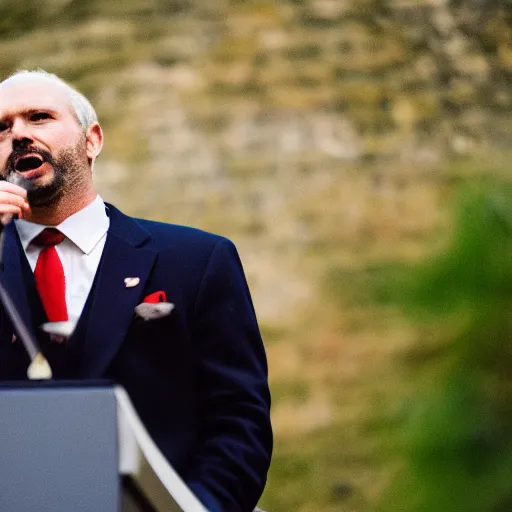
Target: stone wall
[(302, 129)]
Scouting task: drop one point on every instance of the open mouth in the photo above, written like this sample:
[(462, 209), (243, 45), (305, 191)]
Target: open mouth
[(28, 163)]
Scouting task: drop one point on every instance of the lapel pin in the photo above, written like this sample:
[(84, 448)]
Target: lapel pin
[(130, 282), (14, 338)]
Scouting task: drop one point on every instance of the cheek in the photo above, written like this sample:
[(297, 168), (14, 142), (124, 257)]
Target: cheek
[(4, 155), (61, 138), (63, 147), (58, 141)]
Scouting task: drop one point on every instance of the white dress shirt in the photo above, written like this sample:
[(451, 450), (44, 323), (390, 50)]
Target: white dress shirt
[(79, 252)]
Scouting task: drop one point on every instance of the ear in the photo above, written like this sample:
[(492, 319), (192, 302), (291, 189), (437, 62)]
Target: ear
[(93, 141)]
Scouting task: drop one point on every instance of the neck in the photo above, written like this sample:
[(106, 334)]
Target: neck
[(62, 208)]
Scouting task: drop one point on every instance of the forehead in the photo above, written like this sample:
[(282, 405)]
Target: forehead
[(17, 96)]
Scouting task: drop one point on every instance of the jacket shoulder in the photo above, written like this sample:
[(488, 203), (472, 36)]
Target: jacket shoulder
[(164, 234)]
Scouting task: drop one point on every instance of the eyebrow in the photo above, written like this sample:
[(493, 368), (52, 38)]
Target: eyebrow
[(34, 110), (27, 111)]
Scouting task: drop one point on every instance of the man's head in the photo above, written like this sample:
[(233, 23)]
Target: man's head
[(49, 135)]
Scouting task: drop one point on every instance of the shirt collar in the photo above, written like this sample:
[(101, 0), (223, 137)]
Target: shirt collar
[(84, 228)]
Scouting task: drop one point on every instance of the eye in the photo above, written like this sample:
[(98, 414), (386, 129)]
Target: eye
[(3, 126), (40, 116)]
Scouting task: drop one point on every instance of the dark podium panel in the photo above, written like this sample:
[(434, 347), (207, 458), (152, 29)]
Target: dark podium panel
[(81, 447), (58, 449)]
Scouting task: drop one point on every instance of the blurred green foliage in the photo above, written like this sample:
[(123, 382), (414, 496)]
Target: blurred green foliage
[(455, 432)]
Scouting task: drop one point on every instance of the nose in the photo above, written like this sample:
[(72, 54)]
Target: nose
[(20, 135)]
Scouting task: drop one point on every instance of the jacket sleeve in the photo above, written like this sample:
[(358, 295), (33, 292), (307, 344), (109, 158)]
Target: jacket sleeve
[(229, 468)]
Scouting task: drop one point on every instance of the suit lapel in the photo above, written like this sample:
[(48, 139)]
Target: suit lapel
[(11, 275), (113, 305)]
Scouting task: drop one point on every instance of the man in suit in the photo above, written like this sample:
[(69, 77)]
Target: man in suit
[(196, 375)]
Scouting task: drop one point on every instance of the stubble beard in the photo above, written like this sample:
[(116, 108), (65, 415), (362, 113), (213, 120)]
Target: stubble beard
[(69, 168), (67, 171)]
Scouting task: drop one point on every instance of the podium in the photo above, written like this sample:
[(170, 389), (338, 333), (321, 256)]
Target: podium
[(80, 446)]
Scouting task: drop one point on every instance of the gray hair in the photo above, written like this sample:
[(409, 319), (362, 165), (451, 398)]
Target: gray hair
[(84, 111)]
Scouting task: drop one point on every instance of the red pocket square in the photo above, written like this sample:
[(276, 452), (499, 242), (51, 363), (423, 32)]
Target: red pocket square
[(155, 298)]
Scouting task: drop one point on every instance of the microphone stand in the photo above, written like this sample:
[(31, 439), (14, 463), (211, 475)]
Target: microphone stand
[(39, 369)]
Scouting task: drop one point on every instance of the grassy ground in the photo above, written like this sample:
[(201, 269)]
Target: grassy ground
[(334, 389)]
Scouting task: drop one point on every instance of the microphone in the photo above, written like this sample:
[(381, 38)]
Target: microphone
[(38, 369), (16, 179)]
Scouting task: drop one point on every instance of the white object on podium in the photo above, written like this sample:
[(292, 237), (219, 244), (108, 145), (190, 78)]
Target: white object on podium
[(140, 458)]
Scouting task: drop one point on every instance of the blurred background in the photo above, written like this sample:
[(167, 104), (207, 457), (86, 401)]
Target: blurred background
[(357, 152)]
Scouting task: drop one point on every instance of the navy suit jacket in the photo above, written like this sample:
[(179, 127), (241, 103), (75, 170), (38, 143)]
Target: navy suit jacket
[(198, 377)]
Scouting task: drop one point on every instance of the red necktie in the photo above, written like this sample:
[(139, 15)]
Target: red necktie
[(49, 275)]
